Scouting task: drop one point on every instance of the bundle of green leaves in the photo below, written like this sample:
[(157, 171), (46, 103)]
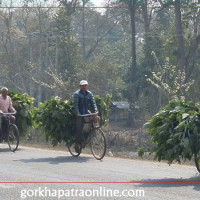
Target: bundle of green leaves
[(175, 132), (23, 104), (57, 119), (103, 108)]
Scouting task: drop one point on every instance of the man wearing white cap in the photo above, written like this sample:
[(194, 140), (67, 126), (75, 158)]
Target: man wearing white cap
[(5, 107), (82, 101)]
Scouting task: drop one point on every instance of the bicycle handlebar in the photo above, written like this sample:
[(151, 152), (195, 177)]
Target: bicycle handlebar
[(89, 115), (10, 113)]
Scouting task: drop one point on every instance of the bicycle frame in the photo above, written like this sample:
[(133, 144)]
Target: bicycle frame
[(91, 122), (6, 115), (95, 139), (11, 133)]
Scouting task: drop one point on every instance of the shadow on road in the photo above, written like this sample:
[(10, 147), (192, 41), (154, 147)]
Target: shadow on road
[(5, 150), (56, 160), (8, 150), (167, 183)]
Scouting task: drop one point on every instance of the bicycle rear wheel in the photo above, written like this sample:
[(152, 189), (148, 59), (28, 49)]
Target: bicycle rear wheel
[(75, 148), (98, 143), (13, 137)]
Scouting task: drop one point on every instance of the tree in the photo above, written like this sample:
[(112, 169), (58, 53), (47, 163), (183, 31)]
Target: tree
[(94, 29), (171, 38), (183, 59), (132, 84)]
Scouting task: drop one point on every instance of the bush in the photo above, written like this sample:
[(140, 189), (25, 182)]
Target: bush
[(175, 132)]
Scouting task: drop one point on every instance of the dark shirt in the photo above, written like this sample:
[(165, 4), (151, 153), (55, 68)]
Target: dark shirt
[(81, 102)]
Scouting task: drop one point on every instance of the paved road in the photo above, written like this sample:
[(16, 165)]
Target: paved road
[(37, 165)]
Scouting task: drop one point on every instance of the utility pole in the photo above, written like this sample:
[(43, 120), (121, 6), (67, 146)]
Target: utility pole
[(83, 30), (40, 69), (47, 51), (31, 93), (56, 64), (56, 52)]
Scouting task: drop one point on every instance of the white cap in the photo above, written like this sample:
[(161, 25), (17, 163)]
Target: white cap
[(83, 82)]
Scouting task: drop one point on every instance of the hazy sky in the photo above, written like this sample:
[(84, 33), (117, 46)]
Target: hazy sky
[(98, 2)]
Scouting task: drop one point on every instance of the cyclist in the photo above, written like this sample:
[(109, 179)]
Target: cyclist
[(5, 107), (82, 99)]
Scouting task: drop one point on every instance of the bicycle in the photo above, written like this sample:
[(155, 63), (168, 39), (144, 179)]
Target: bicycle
[(10, 132), (94, 137), (197, 161)]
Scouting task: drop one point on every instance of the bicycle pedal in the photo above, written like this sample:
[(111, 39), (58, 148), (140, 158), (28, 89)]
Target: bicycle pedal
[(77, 149)]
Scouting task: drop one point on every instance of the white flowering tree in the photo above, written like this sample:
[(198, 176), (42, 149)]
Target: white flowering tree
[(169, 80)]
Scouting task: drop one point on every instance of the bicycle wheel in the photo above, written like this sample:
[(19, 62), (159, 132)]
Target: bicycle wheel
[(98, 143), (13, 137), (74, 148), (197, 162)]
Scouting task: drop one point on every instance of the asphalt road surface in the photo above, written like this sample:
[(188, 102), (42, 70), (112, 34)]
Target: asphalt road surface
[(44, 174)]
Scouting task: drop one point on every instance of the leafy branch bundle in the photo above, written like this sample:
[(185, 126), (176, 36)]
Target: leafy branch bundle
[(23, 104), (57, 119), (175, 132), (103, 108)]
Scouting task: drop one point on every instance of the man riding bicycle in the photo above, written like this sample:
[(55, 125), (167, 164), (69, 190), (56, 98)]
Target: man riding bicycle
[(82, 99), (5, 107)]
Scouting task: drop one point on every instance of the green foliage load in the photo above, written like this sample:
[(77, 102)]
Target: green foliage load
[(103, 108), (175, 131), (23, 104), (57, 119)]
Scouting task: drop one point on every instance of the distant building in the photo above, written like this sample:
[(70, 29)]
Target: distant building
[(119, 111), (121, 105)]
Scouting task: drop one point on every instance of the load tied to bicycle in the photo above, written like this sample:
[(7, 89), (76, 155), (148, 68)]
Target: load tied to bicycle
[(87, 130), (8, 130)]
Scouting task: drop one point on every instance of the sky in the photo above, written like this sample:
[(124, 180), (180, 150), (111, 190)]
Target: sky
[(98, 2)]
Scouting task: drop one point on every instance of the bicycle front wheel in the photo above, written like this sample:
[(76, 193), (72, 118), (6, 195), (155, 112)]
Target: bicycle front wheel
[(197, 162), (98, 143), (75, 148), (13, 137)]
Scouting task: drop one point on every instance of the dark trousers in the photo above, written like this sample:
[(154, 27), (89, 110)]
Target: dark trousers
[(79, 129), (1, 134), (4, 127)]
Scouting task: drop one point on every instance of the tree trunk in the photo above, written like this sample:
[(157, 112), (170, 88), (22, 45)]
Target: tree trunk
[(181, 46), (148, 40), (132, 89), (83, 30)]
